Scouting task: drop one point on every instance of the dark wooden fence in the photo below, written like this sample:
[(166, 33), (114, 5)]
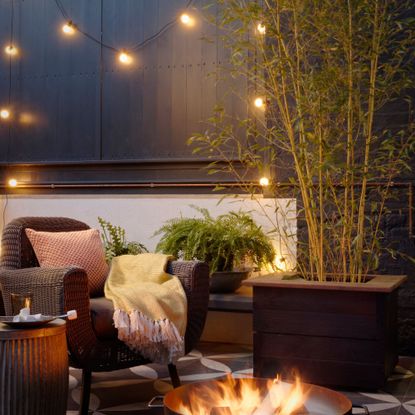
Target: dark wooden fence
[(80, 115)]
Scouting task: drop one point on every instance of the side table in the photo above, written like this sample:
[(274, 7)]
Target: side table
[(33, 370)]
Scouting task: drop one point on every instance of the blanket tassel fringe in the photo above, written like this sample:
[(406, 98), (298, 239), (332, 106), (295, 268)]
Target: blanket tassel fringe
[(158, 341)]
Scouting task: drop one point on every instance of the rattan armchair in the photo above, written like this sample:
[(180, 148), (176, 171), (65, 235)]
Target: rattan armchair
[(56, 291)]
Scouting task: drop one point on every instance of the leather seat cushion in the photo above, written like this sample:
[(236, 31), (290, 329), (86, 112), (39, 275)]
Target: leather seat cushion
[(101, 315)]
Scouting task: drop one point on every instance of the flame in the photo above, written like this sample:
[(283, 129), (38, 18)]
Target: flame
[(244, 397)]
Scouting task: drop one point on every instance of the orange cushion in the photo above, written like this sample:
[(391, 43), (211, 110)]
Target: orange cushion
[(82, 249)]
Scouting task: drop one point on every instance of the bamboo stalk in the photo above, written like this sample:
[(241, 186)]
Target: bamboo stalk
[(368, 140), (348, 213), (320, 180), (282, 103)]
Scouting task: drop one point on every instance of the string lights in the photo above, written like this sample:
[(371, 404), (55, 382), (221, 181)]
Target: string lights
[(259, 102), (4, 114), (124, 56), (11, 50), (69, 28), (12, 183), (187, 20), (261, 29), (264, 181)]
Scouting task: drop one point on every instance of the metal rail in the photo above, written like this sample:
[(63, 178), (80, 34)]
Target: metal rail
[(229, 185)]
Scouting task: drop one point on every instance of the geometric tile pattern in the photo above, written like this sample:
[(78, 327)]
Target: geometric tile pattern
[(127, 391)]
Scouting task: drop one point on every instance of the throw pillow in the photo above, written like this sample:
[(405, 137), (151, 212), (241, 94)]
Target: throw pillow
[(83, 249)]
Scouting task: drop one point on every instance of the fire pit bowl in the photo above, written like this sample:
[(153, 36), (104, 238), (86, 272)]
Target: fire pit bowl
[(317, 400)]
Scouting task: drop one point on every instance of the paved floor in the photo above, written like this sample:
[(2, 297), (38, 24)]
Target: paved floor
[(127, 392)]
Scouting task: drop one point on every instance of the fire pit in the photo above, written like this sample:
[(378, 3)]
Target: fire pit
[(254, 397)]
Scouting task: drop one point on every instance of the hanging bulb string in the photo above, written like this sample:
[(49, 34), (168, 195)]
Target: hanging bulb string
[(9, 100), (94, 39), (9, 127), (62, 10), (155, 36), (135, 47), (12, 23), (166, 27), (66, 16), (10, 56)]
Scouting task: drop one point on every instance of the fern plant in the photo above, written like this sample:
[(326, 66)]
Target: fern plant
[(115, 243), (225, 242)]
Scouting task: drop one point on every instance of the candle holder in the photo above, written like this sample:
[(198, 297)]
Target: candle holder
[(20, 301)]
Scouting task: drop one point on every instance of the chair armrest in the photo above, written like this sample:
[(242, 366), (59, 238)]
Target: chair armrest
[(46, 284), (55, 291), (194, 276)]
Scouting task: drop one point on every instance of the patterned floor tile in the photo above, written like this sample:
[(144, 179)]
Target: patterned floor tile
[(127, 392)]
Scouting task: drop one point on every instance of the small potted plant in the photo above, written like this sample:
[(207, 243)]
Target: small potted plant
[(115, 243), (231, 244)]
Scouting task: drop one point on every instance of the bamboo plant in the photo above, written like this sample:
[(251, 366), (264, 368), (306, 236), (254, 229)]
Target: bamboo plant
[(328, 73)]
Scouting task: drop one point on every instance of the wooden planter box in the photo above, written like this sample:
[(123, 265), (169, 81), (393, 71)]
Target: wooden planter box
[(335, 334)]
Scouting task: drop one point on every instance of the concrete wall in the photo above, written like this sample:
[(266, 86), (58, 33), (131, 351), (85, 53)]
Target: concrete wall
[(142, 215)]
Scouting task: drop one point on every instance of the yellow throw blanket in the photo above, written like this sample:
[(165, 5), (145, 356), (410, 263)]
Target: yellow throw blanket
[(150, 306)]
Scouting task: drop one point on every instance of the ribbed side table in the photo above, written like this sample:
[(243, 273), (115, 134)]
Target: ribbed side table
[(33, 370)]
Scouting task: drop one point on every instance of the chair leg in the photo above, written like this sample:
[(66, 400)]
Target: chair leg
[(175, 380), (86, 390)]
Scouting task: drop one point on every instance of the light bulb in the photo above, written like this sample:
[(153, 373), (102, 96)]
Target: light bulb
[(280, 263), (187, 20), (125, 58), (261, 29), (4, 113), (68, 28), (11, 50), (264, 181), (259, 102), (12, 182)]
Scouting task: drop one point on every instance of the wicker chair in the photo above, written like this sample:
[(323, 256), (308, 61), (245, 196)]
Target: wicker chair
[(56, 291)]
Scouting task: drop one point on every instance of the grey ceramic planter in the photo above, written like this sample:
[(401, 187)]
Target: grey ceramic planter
[(227, 281)]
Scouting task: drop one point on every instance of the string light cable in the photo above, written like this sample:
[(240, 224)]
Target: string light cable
[(71, 28), (124, 57), (9, 99), (135, 47)]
